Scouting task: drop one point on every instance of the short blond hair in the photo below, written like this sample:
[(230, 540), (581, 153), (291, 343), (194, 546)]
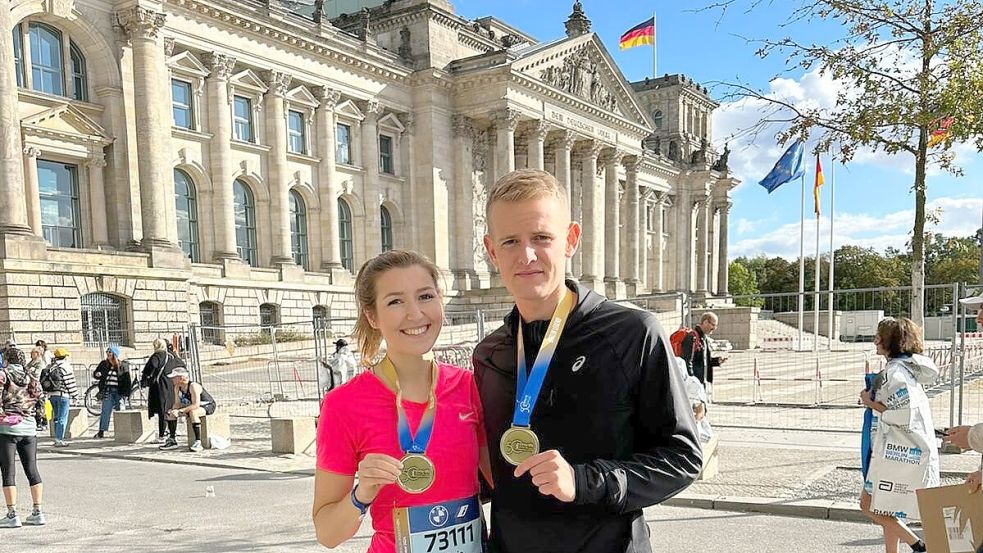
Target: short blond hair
[(521, 185)]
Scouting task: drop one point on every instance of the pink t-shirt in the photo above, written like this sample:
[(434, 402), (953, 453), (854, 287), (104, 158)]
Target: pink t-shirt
[(359, 418)]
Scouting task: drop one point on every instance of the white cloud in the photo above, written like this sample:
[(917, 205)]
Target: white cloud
[(958, 217), (754, 155)]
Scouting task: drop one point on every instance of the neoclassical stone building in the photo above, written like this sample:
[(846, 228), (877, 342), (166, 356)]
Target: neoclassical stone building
[(232, 162)]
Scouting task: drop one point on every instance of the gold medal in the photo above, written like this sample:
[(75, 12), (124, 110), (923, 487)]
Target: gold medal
[(518, 444), (418, 474)]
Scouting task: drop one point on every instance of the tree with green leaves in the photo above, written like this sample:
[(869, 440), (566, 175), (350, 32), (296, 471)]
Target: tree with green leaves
[(742, 282), (905, 69)]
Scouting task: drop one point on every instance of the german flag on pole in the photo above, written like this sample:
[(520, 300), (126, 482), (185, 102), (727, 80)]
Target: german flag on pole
[(639, 35), (819, 182)]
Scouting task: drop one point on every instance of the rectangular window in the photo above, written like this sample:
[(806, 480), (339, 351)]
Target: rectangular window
[(19, 55), (343, 144), (296, 132), (181, 102), (242, 117), (386, 154), (58, 189)]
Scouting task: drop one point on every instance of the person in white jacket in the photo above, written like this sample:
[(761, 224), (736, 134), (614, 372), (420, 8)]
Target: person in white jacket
[(904, 454)]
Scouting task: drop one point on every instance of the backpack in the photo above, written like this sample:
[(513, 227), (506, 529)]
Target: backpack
[(676, 340), (51, 379)]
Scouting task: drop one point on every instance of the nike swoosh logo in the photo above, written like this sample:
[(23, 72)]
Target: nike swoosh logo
[(464, 416)]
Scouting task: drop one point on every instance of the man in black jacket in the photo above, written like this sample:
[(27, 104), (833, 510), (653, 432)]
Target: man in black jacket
[(698, 351), (613, 429)]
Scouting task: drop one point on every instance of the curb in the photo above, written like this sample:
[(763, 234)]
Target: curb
[(177, 461), (823, 509)]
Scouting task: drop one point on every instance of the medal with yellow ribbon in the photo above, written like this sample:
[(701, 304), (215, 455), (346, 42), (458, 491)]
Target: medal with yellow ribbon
[(519, 442), (418, 472)]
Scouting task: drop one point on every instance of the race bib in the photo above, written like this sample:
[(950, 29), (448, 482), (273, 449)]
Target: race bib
[(451, 526)]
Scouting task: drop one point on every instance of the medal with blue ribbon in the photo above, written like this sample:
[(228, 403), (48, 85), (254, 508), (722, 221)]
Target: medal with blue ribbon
[(418, 472), (519, 442)]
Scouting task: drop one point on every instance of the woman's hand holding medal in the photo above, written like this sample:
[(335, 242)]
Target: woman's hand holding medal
[(375, 471), (551, 474)]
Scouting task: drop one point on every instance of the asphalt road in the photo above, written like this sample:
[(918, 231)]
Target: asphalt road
[(106, 505)]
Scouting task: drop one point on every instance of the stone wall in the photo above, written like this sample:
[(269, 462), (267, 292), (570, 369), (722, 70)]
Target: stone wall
[(808, 322), (738, 325)]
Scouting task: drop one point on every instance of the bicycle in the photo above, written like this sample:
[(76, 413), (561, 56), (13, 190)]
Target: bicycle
[(93, 399)]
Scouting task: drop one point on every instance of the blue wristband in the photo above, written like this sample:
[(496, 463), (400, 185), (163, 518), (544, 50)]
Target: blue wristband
[(362, 507)]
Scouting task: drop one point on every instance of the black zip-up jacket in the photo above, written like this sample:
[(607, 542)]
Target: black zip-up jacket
[(616, 409)]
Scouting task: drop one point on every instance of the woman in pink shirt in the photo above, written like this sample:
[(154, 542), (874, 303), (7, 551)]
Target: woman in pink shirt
[(404, 439)]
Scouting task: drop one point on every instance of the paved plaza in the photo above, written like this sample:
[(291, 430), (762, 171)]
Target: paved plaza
[(106, 497)]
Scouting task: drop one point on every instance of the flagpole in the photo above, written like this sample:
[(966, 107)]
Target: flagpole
[(802, 259), (815, 300), (655, 56), (832, 251)]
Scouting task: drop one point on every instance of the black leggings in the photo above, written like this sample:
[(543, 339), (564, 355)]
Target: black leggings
[(26, 448)]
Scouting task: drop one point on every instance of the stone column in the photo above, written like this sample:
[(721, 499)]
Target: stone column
[(97, 198), (537, 136), (723, 270), (592, 215), (370, 161), (153, 132), (327, 183), (462, 229), (684, 241), (644, 276), (702, 228), (505, 123), (276, 126), (13, 216), (32, 189), (612, 216), (632, 218), (564, 144), (220, 154), (658, 281)]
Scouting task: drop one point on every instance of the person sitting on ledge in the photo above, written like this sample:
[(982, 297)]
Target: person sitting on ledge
[(191, 401)]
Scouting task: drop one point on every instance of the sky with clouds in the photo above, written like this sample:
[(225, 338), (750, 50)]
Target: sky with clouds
[(874, 202)]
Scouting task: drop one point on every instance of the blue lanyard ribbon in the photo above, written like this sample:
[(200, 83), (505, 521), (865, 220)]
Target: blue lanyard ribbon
[(408, 442), (527, 387)]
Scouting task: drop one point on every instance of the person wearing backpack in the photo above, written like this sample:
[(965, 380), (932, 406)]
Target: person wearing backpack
[(35, 366), (696, 350), (19, 390), (154, 376), (58, 381)]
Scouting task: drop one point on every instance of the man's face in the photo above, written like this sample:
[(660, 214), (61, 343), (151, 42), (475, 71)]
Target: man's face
[(529, 243), (708, 326)]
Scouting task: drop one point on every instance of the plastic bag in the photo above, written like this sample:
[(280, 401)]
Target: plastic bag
[(220, 442)]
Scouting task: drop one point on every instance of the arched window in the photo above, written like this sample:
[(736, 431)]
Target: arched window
[(19, 54), (268, 316), (103, 320), (245, 217), (298, 229), (210, 313), (320, 313), (187, 214), (79, 84), (47, 65), (387, 229), (58, 188), (657, 119), (345, 235)]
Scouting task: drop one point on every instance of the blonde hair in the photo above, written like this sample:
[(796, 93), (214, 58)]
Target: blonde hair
[(900, 336), (160, 344), (370, 339), (524, 184)]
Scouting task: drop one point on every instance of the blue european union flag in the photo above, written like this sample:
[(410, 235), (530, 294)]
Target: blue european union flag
[(789, 167)]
